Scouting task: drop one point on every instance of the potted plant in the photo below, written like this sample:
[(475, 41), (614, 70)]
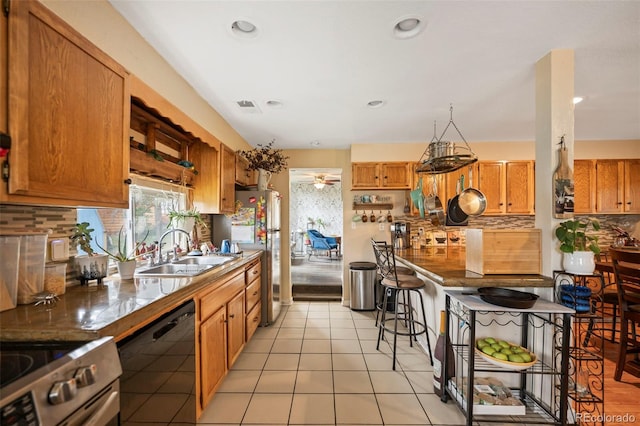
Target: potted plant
[(125, 260), (578, 246), (266, 160), (185, 219), (91, 265)]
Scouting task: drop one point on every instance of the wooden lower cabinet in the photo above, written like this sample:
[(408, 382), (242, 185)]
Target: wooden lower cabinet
[(213, 355), (228, 312), (253, 293), (235, 328)]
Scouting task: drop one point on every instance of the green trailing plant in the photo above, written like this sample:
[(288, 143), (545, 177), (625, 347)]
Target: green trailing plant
[(81, 237), (573, 236), (122, 255), (177, 216), (265, 157)]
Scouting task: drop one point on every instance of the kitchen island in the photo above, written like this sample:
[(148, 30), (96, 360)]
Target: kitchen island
[(443, 269)]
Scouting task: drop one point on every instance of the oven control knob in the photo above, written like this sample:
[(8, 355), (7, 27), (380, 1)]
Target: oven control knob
[(86, 375), (63, 391)]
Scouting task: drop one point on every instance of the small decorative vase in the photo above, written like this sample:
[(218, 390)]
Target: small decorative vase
[(264, 177), (579, 262), (127, 269)]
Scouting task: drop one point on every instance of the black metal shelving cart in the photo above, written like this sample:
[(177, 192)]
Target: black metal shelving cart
[(537, 394), (586, 355)]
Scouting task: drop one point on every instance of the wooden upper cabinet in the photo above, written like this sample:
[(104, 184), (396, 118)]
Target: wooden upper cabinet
[(508, 186), (617, 186), (520, 187), (69, 115), (391, 175), (244, 176), (632, 186), (491, 182), (227, 179), (396, 175), (584, 181), (206, 182), (365, 175)]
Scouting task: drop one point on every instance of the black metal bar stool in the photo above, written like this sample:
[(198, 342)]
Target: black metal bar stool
[(380, 290), (400, 286)]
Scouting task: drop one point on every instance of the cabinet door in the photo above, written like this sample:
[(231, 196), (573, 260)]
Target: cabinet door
[(213, 354), (609, 186), (584, 179), (206, 181), (227, 180), (396, 175), (365, 175), (632, 186), (519, 186), (244, 176), (235, 328), (69, 118), (491, 181)]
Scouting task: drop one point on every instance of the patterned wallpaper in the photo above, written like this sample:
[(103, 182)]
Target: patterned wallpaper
[(308, 202)]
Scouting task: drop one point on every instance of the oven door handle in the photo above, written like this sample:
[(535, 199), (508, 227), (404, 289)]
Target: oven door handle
[(99, 417)]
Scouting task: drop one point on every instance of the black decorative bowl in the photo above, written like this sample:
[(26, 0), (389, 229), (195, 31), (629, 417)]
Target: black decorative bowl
[(507, 298)]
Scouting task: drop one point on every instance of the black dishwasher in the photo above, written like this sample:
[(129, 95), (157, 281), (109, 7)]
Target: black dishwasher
[(158, 364)]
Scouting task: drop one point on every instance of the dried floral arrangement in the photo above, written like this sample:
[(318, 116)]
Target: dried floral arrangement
[(265, 157)]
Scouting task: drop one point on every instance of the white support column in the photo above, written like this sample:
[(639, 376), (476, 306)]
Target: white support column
[(554, 118)]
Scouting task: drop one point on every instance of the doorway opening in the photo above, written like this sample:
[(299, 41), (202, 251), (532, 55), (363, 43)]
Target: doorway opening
[(316, 204)]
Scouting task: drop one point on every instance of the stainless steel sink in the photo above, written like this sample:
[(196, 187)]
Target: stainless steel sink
[(204, 260), (176, 270)]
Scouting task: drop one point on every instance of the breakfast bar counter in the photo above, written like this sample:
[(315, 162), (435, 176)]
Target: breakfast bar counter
[(445, 266)]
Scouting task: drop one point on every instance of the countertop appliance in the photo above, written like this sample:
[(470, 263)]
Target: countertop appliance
[(52, 383), (159, 368), (400, 235), (256, 226)]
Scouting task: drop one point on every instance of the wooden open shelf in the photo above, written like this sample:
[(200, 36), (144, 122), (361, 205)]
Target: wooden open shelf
[(372, 206), (142, 163)]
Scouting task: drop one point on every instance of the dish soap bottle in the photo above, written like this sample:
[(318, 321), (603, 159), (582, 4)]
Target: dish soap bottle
[(563, 185)]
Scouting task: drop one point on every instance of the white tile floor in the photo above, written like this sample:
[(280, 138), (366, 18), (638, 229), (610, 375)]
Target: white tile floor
[(318, 365)]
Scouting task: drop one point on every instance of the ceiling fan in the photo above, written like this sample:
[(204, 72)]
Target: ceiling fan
[(319, 181)]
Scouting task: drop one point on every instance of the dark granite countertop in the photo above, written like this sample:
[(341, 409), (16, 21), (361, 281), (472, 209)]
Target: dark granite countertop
[(114, 308), (446, 266)]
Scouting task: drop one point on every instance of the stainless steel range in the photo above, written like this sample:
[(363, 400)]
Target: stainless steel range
[(60, 383)]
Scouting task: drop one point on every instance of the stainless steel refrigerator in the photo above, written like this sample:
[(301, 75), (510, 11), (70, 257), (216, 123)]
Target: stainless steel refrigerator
[(256, 226)]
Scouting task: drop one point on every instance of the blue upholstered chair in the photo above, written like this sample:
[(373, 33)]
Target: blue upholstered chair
[(319, 244)]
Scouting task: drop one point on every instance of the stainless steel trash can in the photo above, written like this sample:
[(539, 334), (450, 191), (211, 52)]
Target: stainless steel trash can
[(362, 282)]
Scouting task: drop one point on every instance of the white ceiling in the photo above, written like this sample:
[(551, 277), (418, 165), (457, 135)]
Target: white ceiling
[(324, 60)]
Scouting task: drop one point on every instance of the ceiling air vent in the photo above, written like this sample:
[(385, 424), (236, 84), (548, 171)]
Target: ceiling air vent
[(248, 106)]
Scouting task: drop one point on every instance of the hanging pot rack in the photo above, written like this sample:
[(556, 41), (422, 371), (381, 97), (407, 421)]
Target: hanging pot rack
[(443, 156)]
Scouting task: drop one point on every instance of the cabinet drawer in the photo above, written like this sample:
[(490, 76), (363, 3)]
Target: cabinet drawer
[(253, 320), (216, 299), (252, 272), (252, 295)]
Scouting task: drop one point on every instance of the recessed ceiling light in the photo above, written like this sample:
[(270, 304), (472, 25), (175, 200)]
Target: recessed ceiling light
[(408, 26), (244, 28), (377, 103), (577, 99)]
